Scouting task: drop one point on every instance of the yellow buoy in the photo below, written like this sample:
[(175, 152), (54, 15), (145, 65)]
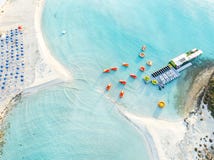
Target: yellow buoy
[(161, 104)]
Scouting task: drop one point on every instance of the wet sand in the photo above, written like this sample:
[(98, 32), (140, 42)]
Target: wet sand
[(189, 93)]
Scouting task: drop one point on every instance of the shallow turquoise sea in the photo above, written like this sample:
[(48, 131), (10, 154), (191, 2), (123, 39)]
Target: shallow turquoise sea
[(79, 120)]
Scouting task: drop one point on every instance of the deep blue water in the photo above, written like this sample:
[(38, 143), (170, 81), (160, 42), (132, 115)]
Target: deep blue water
[(79, 120)]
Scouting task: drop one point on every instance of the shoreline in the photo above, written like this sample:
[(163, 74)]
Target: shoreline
[(159, 134), (38, 54), (170, 137), (196, 88), (61, 72), (42, 69)]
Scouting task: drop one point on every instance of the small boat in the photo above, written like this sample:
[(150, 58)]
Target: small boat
[(146, 78), (106, 70), (141, 55), (125, 64), (121, 94), (133, 76), (143, 48), (122, 82), (142, 68), (161, 104), (108, 87), (114, 68), (149, 63), (63, 32), (154, 82)]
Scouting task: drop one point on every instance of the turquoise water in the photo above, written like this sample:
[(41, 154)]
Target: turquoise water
[(79, 120)]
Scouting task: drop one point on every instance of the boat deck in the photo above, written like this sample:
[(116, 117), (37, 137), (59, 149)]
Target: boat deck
[(184, 67)]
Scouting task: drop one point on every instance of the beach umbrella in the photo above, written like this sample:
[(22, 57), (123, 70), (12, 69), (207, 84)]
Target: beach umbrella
[(20, 27)]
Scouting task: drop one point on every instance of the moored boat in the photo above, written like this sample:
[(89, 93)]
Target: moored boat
[(133, 76), (141, 55), (121, 94), (106, 70), (125, 64), (154, 82), (143, 48), (114, 68), (142, 68), (149, 63), (108, 87), (123, 82)]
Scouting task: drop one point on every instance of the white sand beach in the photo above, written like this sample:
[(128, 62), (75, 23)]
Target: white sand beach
[(162, 136), (174, 140), (41, 68), (166, 140)]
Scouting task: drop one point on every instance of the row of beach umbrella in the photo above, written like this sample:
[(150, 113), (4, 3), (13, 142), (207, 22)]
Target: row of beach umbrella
[(12, 62)]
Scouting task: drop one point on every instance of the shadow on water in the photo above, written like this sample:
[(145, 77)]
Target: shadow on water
[(120, 86), (139, 73), (123, 69), (138, 59), (130, 79), (157, 112)]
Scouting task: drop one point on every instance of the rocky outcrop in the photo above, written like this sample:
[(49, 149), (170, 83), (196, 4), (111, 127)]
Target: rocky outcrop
[(209, 95)]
